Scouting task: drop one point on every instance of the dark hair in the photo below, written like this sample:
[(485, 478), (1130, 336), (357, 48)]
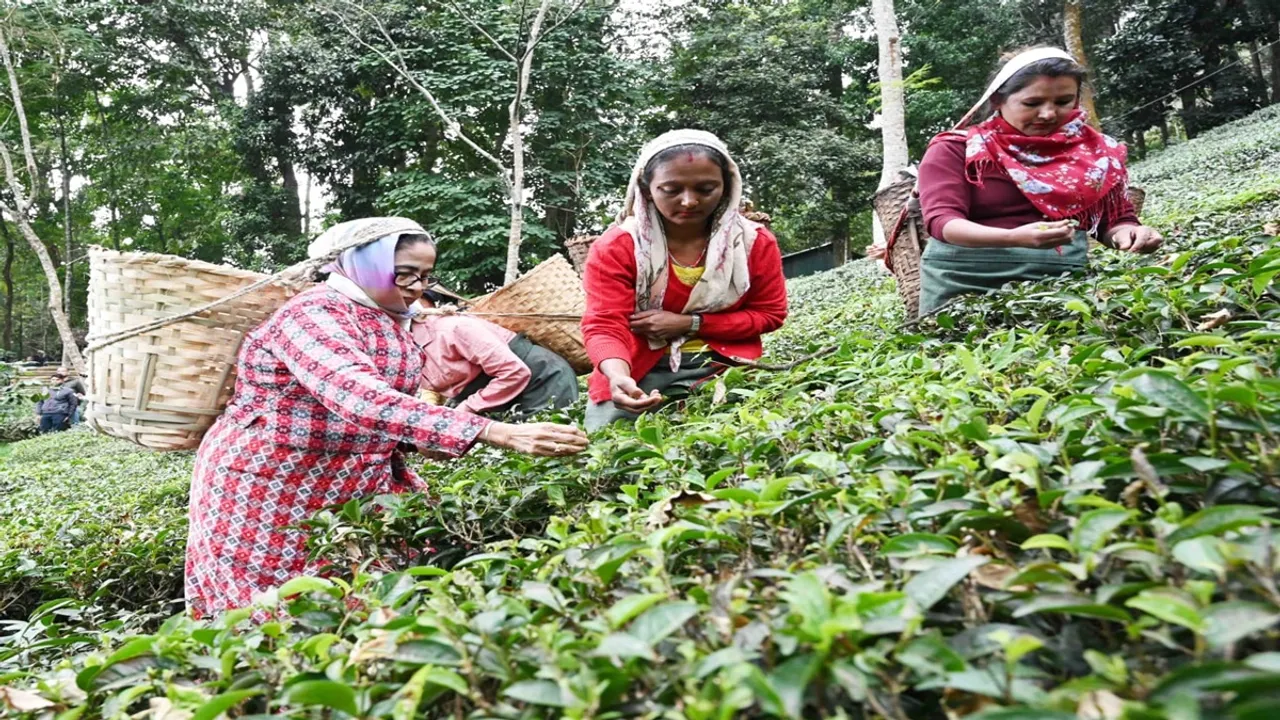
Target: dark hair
[(671, 153), (1049, 67), (410, 239)]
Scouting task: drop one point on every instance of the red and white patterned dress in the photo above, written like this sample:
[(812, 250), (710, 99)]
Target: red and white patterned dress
[(325, 393)]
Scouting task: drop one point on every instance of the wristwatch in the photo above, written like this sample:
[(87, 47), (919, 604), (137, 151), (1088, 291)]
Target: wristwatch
[(696, 324)]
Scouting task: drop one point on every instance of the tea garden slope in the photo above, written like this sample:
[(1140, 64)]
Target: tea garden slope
[(1060, 502)]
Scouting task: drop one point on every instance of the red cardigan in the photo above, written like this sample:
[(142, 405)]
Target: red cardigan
[(610, 283)]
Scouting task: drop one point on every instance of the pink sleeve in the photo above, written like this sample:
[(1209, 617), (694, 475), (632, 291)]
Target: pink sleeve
[(944, 191), (510, 375), (322, 349)]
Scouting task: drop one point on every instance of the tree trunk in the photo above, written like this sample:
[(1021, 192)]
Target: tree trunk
[(1164, 131), (1140, 137), (1255, 62), (1275, 71), (1188, 97), (9, 249), (893, 120), (306, 209), (293, 213), (840, 235), (69, 348), (66, 214), (523, 70), (1073, 36)]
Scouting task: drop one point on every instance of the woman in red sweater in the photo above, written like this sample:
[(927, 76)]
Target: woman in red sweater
[(681, 285), (1016, 196)]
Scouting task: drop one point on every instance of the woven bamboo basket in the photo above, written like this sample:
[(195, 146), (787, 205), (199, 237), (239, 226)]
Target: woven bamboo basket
[(163, 388), (1138, 197), (579, 246), (551, 288), (908, 244)]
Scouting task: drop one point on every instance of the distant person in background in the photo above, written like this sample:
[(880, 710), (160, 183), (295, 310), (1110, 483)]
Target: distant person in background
[(681, 285), (76, 384), (487, 369), (1016, 196), (56, 409)]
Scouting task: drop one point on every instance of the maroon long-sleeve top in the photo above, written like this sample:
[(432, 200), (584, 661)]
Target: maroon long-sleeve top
[(946, 194)]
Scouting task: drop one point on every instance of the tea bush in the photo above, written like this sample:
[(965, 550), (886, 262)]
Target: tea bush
[(84, 515), (1056, 502)]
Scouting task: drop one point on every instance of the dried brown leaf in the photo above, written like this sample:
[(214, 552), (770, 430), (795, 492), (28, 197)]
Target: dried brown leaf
[(1100, 705), (22, 700), (1214, 320)]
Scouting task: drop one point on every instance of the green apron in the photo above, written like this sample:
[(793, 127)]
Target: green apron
[(947, 271)]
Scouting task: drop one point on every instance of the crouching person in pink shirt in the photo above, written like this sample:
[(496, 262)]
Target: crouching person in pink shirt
[(486, 369)]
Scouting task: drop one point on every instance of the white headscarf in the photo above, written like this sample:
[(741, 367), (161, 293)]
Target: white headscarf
[(726, 277), (1011, 68), (363, 261)]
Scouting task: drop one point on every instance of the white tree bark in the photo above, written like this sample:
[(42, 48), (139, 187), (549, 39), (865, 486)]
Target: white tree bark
[(893, 113), (22, 201), (523, 69), (513, 177)]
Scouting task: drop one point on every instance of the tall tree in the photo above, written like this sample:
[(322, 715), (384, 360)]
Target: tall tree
[(893, 114), (353, 15), (1073, 35), (786, 85), (24, 200)]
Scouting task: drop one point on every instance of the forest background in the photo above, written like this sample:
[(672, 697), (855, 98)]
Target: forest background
[(232, 130)]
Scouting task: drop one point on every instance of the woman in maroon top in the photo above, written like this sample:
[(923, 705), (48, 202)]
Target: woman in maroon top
[(681, 285), (1016, 196)]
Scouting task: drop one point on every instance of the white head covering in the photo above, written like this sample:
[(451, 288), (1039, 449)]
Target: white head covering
[(1011, 68), (329, 244), (726, 277), (343, 239)]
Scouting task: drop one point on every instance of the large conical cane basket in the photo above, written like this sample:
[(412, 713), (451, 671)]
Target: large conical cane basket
[(164, 387), (552, 288)]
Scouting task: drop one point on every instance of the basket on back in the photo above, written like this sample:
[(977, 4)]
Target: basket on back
[(579, 246), (905, 234), (163, 388), (551, 288)]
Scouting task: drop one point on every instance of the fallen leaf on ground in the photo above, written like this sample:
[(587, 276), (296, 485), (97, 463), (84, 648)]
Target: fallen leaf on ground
[(1214, 320)]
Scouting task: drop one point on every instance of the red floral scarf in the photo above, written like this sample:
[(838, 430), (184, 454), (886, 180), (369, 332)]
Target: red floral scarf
[(1077, 172)]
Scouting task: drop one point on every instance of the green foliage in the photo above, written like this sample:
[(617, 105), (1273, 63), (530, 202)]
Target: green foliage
[(769, 78), (1060, 499), (85, 516)]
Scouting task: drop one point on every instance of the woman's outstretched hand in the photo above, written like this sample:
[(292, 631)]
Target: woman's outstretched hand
[(1044, 234), (545, 439), (626, 394), (1136, 239)]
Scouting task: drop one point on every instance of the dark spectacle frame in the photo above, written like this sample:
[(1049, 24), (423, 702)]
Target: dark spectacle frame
[(406, 280)]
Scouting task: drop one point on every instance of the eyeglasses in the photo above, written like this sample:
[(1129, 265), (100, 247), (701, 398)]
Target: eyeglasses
[(406, 280)]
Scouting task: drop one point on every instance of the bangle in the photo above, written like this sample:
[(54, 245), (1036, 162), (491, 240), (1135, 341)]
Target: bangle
[(484, 434)]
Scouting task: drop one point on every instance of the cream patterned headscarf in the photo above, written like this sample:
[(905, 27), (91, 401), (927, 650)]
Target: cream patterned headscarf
[(727, 277)]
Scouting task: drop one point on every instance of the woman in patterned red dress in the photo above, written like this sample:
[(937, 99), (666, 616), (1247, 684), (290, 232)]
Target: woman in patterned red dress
[(324, 396)]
